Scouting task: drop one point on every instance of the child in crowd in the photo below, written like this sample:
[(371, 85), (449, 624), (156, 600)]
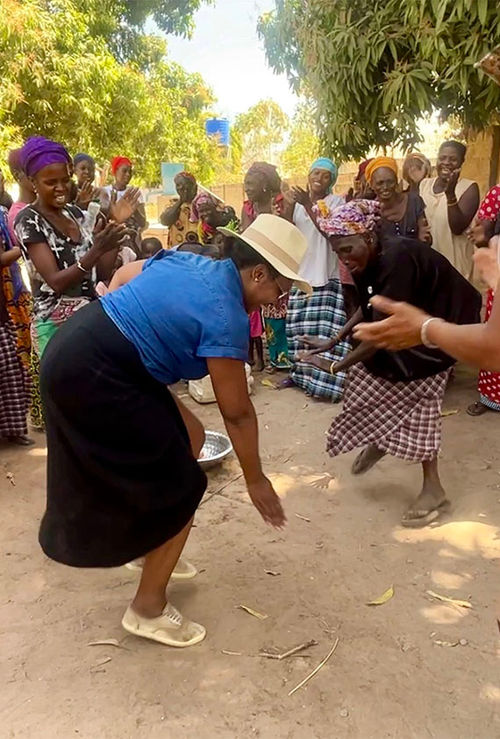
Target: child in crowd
[(150, 246)]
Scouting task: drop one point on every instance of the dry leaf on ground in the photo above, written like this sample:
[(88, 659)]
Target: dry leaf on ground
[(268, 383), (257, 614), (446, 599), (104, 643), (383, 598), (441, 643)]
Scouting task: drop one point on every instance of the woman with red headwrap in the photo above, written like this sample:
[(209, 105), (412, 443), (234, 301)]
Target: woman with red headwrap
[(122, 171)]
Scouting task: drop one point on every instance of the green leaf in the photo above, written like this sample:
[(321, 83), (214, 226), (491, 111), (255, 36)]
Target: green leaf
[(482, 11)]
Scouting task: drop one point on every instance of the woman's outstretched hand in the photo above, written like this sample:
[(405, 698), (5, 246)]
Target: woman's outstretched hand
[(266, 501), (316, 346), (400, 331), (486, 261), (311, 357)]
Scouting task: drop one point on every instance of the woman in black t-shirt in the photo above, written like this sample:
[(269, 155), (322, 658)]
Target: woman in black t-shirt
[(402, 213), (392, 402)]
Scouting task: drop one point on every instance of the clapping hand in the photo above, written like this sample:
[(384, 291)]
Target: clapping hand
[(86, 194), (451, 184), (110, 236), (301, 196), (121, 210)]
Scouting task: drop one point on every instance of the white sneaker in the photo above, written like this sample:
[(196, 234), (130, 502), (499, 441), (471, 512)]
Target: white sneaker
[(184, 570), (170, 628)]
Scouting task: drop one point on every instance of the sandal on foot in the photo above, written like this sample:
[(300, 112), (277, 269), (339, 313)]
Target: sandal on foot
[(477, 409), (286, 383), (422, 517), (361, 465), (21, 440), (169, 628), (184, 570)]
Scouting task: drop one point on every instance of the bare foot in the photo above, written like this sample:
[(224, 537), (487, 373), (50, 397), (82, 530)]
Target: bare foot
[(366, 459)]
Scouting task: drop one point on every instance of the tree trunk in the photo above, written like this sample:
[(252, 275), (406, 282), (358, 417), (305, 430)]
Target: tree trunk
[(495, 154)]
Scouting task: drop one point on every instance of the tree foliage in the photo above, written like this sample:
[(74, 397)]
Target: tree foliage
[(60, 78), (303, 143), (120, 22), (375, 66), (261, 130)]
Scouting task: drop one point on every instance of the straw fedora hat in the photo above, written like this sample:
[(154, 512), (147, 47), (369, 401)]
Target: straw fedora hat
[(279, 242)]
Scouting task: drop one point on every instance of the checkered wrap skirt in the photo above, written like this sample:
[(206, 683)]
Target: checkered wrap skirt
[(320, 315), (14, 385), (400, 418)]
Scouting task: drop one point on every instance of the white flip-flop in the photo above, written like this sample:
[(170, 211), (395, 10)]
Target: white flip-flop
[(169, 628), (184, 570)]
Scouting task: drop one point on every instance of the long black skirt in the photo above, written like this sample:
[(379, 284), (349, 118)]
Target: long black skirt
[(121, 477)]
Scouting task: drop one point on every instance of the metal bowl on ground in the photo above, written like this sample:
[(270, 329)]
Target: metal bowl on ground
[(215, 449)]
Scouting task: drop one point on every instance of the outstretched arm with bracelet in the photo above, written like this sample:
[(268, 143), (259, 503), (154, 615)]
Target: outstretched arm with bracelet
[(407, 326)]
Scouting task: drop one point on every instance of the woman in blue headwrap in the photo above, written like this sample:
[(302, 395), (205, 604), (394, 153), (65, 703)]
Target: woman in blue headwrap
[(323, 313), (63, 254)]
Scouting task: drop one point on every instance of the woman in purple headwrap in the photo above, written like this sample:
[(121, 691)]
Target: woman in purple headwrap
[(63, 253), (392, 400)]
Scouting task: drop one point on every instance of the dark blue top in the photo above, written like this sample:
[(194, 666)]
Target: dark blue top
[(180, 310)]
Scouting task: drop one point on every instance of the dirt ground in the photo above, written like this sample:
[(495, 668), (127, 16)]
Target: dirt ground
[(397, 670)]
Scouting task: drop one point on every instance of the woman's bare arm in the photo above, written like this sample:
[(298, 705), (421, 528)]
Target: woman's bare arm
[(230, 388), (125, 274)]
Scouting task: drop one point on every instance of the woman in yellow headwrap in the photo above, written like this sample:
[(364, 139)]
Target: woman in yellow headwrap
[(403, 213)]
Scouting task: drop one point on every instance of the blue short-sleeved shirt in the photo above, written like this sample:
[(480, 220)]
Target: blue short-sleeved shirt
[(180, 310)]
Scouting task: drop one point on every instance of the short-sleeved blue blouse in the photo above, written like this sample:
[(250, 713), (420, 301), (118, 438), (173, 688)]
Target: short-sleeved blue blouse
[(182, 309)]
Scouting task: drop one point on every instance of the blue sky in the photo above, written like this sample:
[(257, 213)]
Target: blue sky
[(226, 51)]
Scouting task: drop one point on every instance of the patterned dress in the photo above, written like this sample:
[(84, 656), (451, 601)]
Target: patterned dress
[(489, 382), (14, 380), (321, 315), (49, 308)]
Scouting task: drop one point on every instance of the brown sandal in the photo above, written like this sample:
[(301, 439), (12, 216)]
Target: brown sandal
[(477, 409)]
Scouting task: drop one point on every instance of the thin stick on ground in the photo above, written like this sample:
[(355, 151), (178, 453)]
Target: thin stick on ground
[(316, 669), (290, 652), (303, 518)]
